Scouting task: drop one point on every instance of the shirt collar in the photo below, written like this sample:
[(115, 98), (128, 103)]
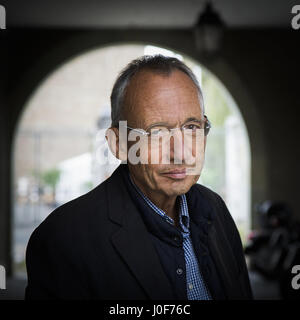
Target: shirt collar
[(184, 219)]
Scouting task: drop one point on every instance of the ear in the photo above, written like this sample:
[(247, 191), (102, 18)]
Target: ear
[(116, 146)]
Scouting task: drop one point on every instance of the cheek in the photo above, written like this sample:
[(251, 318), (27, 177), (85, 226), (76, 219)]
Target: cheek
[(148, 175), (156, 180), (152, 153)]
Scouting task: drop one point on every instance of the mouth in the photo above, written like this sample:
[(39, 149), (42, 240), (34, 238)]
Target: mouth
[(177, 174)]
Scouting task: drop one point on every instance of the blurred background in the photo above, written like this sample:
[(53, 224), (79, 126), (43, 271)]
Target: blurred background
[(58, 62)]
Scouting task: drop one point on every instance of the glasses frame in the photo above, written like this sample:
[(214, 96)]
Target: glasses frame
[(207, 127)]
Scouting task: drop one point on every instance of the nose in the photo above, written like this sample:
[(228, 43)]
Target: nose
[(176, 146)]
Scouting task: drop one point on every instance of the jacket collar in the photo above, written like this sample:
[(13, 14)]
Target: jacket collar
[(132, 242), (134, 245)]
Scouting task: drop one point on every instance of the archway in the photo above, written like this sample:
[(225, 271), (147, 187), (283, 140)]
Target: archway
[(50, 169)]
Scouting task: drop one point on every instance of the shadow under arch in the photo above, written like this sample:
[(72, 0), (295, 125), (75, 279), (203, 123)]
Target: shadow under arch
[(74, 47)]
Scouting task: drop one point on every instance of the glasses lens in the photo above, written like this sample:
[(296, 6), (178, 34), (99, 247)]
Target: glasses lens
[(159, 132)]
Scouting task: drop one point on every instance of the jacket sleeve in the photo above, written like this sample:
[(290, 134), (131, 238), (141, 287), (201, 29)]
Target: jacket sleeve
[(53, 268), (40, 276)]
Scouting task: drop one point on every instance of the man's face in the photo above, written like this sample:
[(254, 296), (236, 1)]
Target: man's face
[(169, 100)]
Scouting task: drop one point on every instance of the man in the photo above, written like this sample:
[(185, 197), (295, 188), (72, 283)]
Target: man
[(149, 231)]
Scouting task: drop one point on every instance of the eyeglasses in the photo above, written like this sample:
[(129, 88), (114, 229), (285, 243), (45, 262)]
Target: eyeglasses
[(188, 129)]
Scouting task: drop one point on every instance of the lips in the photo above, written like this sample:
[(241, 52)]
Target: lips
[(176, 174)]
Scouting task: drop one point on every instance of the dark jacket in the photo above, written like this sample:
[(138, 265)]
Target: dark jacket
[(97, 247)]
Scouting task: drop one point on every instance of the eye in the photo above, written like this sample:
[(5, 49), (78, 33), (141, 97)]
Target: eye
[(192, 126), (156, 132)]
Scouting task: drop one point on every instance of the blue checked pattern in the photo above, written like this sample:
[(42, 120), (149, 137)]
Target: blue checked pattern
[(196, 288)]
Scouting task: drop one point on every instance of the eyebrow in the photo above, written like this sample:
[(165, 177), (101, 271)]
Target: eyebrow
[(167, 125)]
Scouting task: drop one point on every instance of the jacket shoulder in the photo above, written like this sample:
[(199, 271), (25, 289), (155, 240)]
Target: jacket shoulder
[(209, 194), (221, 214), (72, 218)]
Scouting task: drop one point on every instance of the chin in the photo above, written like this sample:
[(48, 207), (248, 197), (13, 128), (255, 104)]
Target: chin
[(176, 188)]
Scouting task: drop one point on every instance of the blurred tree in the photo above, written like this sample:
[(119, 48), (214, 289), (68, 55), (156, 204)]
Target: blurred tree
[(51, 178)]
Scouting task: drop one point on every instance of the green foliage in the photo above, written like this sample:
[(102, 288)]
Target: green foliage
[(216, 105), (51, 177)]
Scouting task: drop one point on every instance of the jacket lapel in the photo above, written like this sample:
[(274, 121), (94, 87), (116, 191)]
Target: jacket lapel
[(132, 241), (206, 216), (227, 271)]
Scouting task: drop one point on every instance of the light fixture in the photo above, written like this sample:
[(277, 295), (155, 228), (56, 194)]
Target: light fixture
[(209, 30)]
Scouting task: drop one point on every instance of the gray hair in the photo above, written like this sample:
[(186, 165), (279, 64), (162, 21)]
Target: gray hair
[(157, 64)]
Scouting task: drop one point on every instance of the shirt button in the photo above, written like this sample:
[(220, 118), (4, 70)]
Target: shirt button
[(179, 271), (191, 286)]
